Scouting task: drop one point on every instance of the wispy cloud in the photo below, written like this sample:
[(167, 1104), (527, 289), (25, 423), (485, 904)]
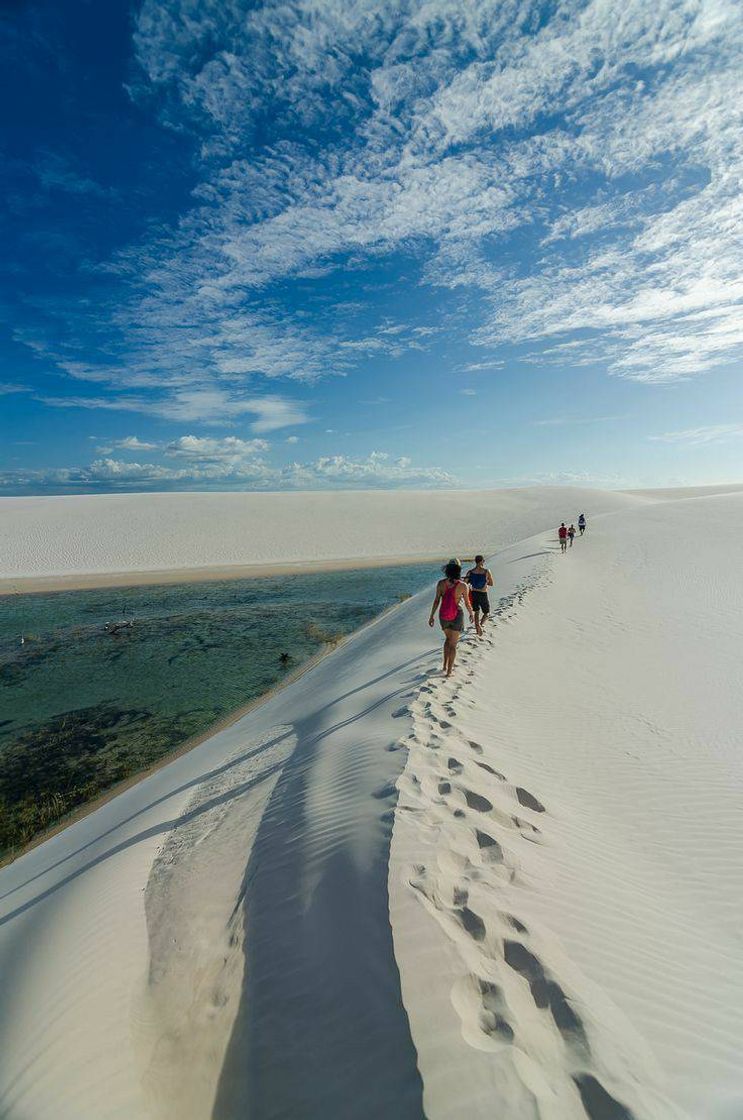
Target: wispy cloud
[(562, 421), (710, 433), (479, 367), (205, 405), (56, 172)]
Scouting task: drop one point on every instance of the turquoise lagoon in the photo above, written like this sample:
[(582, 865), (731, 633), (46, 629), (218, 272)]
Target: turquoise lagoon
[(82, 708)]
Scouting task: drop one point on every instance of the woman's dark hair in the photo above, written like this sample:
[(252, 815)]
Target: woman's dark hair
[(453, 570), (479, 559)]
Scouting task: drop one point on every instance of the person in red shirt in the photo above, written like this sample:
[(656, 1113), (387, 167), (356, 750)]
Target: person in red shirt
[(563, 535)]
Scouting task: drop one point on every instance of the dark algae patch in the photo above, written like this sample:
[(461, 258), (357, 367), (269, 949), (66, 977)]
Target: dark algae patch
[(83, 707), (51, 770)]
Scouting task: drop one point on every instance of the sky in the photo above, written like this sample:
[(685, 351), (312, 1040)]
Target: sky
[(333, 243)]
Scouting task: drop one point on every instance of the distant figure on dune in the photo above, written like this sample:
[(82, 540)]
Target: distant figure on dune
[(571, 534), (562, 533), (451, 592), (479, 579), (582, 524)]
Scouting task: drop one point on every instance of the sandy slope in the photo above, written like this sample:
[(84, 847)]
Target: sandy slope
[(142, 533), (121, 938), (567, 852), (216, 941)]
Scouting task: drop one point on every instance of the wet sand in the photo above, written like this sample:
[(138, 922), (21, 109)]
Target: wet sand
[(81, 581)]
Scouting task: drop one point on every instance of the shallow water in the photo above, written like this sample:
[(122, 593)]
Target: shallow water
[(110, 704)]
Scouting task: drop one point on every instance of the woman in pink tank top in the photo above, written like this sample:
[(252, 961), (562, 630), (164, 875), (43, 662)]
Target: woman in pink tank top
[(452, 593)]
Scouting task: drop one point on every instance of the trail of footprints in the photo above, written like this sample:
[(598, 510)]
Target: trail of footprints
[(476, 864)]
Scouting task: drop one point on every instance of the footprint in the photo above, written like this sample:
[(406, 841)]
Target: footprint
[(528, 800), (387, 790), (517, 925), (490, 770), (490, 845), (475, 801), (475, 746), (473, 923), (460, 896), (444, 787), (526, 824), (455, 765), (546, 993), (400, 712), (599, 1104), (493, 1020)]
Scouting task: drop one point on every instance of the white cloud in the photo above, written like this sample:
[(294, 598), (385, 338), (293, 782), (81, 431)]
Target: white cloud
[(232, 463), (207, 405), (56, 173), (229, 450), (562, 421), (710, 433), (479, 367), (275, 412), (378, 469), (133, 443)]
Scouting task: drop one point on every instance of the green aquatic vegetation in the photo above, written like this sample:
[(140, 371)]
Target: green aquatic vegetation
[(51, 770)]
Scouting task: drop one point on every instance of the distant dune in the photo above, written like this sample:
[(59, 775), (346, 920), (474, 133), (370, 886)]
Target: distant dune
[(515, 893), (180, 536)]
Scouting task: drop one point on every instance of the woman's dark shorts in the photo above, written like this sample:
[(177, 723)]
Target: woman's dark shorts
[(456, 623), (480, 601)]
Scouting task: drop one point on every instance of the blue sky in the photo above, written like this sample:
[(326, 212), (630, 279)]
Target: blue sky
[(338, 243)]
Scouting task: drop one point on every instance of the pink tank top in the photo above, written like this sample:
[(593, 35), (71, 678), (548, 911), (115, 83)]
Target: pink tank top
[(449, 607)]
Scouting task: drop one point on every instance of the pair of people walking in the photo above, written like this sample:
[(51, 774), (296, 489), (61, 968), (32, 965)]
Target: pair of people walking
[(454, 595), (567, 535)]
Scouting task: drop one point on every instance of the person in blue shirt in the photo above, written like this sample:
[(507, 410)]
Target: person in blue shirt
[(479, 579), (582, 524)]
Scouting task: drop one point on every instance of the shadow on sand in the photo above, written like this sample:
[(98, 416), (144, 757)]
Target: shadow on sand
[(321, 1032)]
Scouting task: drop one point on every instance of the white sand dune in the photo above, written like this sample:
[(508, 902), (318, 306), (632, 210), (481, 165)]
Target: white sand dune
[(202, 534), (380, 893), (567, 855)]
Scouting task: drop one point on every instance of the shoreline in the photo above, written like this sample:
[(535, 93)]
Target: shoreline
[(87, 581)]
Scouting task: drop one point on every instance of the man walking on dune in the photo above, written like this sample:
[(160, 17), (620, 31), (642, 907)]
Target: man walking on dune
[(582, 524), (479, 579), (563, 535)]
